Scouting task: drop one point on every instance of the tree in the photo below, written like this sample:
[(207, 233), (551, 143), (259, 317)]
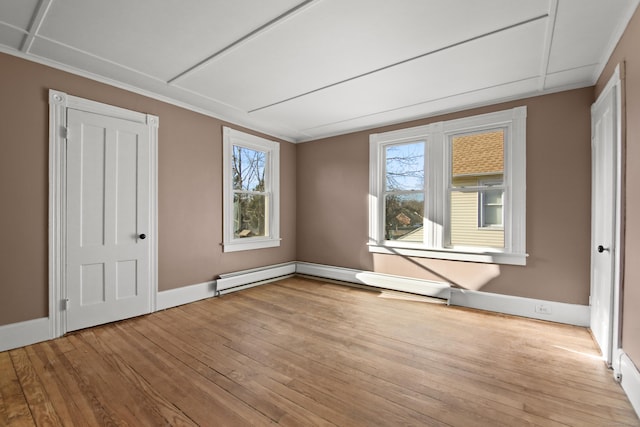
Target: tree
[(249, 168), (404, 188)]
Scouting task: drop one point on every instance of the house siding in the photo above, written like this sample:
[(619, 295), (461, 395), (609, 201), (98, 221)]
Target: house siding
[(465, 230)]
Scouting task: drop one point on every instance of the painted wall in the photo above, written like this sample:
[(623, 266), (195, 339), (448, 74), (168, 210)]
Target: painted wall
[(189, 199), (333, 182), (627, 52)]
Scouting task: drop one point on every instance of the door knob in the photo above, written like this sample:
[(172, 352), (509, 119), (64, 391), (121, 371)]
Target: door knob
[(602, 249), (142, 236)]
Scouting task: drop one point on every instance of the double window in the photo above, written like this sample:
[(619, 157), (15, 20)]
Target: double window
[(251, 191), (451, 190)]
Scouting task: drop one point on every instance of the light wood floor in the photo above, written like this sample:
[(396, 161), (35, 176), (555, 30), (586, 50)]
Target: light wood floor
[(302, 352)]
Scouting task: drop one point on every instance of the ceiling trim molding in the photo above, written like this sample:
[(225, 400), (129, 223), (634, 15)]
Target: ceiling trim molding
[(441, 112), (36, 22), (546, 56), (244, 39)]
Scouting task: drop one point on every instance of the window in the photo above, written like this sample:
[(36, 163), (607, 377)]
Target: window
[(251, 191), (451, 190), (491, 205)]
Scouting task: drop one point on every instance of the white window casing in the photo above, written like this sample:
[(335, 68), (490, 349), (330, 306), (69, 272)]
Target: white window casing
[(231, 138), (436, 221)]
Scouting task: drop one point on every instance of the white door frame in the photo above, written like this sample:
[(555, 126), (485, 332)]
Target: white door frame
[(614, 85), (59, 102)]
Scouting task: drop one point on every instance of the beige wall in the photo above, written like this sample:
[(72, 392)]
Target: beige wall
[(189, 199), (333, 185), (627, 52)]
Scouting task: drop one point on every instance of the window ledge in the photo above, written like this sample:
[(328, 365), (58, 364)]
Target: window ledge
[(454, 255), (237, 246)]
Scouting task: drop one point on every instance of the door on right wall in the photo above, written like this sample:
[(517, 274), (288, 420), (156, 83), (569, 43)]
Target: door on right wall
[(604, 151)]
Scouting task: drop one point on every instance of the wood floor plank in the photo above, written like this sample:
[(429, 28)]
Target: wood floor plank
[(301, 352), (36, 395), (14, 409)]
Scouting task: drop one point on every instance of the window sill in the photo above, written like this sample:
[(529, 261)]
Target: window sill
[(453, 255), (248, 245)]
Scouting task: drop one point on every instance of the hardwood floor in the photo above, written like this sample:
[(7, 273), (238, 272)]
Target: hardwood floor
[(303, 352)]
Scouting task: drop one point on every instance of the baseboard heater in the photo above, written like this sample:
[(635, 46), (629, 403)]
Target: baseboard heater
[(427, 288), (239, 280)]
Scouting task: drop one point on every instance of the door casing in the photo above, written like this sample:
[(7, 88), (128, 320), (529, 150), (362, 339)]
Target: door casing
[(613, 87), (59, 102)]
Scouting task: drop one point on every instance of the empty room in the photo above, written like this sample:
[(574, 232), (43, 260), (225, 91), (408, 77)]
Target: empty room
[(319, 212)]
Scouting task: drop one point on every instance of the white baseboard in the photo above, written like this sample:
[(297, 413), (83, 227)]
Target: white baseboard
[(630, 381), (24, 333), (255, 276), (572, 314), (185, 295)]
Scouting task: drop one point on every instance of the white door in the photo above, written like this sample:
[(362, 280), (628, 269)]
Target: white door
[(603, 227), (107, 190)]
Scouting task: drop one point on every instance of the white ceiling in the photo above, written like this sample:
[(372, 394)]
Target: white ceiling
[(303, 70)]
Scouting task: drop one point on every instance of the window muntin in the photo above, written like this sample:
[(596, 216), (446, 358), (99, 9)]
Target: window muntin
[(251, 191), (494, 195)]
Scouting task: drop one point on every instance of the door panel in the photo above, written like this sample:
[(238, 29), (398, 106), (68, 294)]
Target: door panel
[(107, 209), (603, 222)]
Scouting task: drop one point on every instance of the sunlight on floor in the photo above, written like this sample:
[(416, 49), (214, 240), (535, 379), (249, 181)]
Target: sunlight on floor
[(410, 297), (581, 353)]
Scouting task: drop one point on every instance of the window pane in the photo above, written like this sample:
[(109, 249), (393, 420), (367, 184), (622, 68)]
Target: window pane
[(465, 230), (248, 169), (249, 213), (404, 217), (477, 155), (404, 166), (492, 216)]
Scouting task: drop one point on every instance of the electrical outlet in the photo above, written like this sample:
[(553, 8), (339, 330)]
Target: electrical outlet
[(543, 309)]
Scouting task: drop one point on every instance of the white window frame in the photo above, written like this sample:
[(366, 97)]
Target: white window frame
[(438, 176), (231, 138)]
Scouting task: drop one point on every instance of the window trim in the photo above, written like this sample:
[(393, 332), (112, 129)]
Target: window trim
[(232, 137), (437, 155)]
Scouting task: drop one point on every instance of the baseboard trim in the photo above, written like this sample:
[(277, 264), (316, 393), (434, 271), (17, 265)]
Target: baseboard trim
[(630, 381), (559, 312), (254, 276), (572, 314), (186, 294), (19, 334), (371, 279)]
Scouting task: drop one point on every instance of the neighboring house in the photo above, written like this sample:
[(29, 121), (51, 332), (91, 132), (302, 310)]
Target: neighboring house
[(476, 189)]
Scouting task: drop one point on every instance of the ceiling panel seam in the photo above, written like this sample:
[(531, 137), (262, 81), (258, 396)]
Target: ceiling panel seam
[(99, 58), (13, 27), (404, 61), (36, 22), (468, 92), (546, 56), (253, 34)]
